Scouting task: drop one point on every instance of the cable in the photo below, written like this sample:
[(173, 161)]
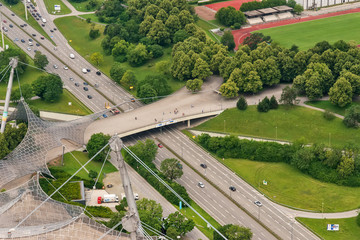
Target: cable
[(24, 219), (53, 186), (111, 229), (154, 230), (38, 68), (17, 76), (102, 168), (119, 234), (170, 189), (8, 67)]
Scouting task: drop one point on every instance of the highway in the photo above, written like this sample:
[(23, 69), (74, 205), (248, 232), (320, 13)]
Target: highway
[(59, 55)]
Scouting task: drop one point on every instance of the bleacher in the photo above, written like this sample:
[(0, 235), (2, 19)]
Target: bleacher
[(253, 21), (270, 18), (285, 15), (268, 14)]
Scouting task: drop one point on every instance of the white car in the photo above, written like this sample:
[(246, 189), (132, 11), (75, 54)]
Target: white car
[(72, 56), (200, 184), (29, 48), (84, 70), (258, 203), (55, 66), (66, 68)]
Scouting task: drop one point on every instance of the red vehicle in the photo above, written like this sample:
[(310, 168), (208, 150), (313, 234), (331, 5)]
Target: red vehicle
[(4, 21), (99, 200), (160, 145)]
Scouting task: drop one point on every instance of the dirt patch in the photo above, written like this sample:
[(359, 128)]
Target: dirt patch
[(205, 13)]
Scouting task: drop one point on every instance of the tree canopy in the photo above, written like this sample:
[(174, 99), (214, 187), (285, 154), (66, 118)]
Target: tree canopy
[(49, 87)]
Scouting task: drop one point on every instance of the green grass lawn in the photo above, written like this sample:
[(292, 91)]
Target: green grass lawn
[(18, 9), (77, 30), (327, 105), (62, 106), (92, 16), (81, 6), (306, 34), (288, 124), (348, 229), (289, 186), (200, 224), (206, 26), (50, 7), (71, 165)]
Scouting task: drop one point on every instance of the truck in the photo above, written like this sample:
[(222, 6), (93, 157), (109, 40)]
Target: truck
[(108, 198)]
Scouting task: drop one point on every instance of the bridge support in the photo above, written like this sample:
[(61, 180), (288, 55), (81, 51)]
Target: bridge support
[(188, 123)]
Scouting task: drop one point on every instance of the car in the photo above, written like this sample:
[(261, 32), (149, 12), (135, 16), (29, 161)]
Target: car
[(55, 66), (66, 67), (201, 185), (30, 40), (88, 70), (43, 25), (104, 115), (71, 79), (42, 38), (11, 26), (34, 35), (30, 43), (258, 203), (16, 39), (98, 73), (114, 111), (4, 21), (132, 99), (35, 50), (86, 89), (29, 48), (22, 40), (37, 19), (27, 6), (85, 83), (203, 165), (34, 9), (25, 24), (89, 96), (37, 44), (21, 25), (5, 29), (160, 145), (0, 4), (232, 188), (51, 30), (72, 56), (12, 14), (55, 29), (109, 185), (84, 70), (77, 84)]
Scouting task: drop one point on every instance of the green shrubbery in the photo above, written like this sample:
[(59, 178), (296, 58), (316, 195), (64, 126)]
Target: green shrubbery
[(329, 165), (100, 211)]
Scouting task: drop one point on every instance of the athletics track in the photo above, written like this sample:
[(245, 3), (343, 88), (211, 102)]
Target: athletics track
[(236, 4), (240, 35)]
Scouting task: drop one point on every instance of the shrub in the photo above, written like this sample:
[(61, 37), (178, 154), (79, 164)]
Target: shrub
[(328, 115), (222, 29), (273, 103), (100, 211), (93, 174), (241, 103), (264, 105), (88, 20), (352, 116), (237, 25)]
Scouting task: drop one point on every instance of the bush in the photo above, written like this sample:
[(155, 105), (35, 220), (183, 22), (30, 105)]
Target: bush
[(328, 115), (241, 103), (88, 20), (264, 105), (155, 50), (237, 25), (222, 29), (273, 103), (94, 33), (352, 116), (93, 174), (100, 211)]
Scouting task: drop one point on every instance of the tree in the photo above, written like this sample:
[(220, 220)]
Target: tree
[(26, 91), (171, 168), (117, 72), (288, 95), (303, 158), (179, 225), (291, 3), (150, 212), (181, 66), (298, 9), (264, 105), (268, 71), (241, 103), (159, 33), (94, 33), (273, 102), (246, 79), (172, 24), (341, 93), (40, 60), (163, 67), (4, 150), (352, 116), (229, 16), (97, 58), (155, 50), (313, 87), (201, 69), (194, 85), (49, 88), (159, 83), (180, 36), (92, 174), (128, 79), (233, 232), (146, 151), (254, 39), (138, 55), (95, 144), (228, 40), (347, 165), (147, 93), (12, 2), (120, 48), (229, 89)]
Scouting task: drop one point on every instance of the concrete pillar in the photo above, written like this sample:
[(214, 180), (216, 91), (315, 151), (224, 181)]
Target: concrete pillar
[(189, 123)]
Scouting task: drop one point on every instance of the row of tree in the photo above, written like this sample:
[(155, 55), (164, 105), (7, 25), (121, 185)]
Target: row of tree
[(229, 16), (335, 165)]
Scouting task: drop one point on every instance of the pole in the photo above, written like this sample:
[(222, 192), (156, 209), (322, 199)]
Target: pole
[(2, 32), (62, 158), (13, 64), (26, 16)]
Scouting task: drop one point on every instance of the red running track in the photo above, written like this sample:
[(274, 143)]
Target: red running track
[(236, 4), (240, 35)]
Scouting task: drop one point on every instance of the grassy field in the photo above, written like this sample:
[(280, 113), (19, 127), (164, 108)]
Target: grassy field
[(306, 34), (81, 6), (348, 229), (327, 105), (200, 224), (92, 16), (284, 123), (62, 106), (77, 31), (206, 26), (50, 7), (71, 165), (18, 9), (289, 186)]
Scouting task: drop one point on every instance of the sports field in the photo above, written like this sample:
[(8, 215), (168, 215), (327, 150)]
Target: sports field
[(306, 34)]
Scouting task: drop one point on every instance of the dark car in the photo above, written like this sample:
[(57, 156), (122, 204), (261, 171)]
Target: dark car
[(88, 70), (21, 25), (34, 35), (43, 25), (203, 165), (37, 19), (85, 88), (51, 30), (25, 24), (12, 14), (104, 115), (30, 40), (76, 84), (55, 29), (37, 44), (232, 188), (11, 26), (85, 83), (89, 96), (98, 73), (22, 40), (35, 10), (42, 37)]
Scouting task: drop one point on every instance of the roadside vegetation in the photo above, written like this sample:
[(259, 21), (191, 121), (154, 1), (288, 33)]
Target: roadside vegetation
[(50, 7), (87, 5)]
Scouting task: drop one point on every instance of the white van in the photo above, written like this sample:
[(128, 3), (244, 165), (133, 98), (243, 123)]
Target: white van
[(43, 20), (84, 70), (72, 56)]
